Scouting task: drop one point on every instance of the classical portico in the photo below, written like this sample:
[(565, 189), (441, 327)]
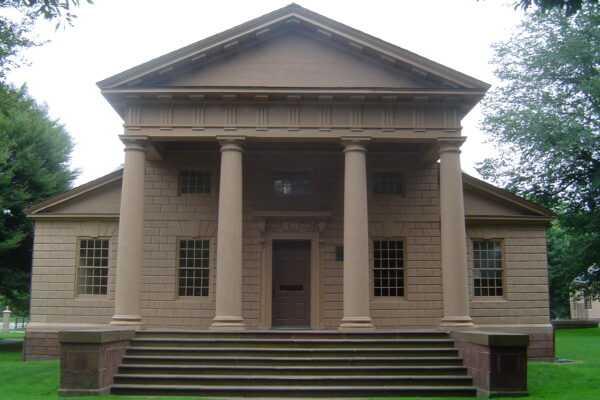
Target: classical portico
[(350, 147), (357, 284), (291, 173)]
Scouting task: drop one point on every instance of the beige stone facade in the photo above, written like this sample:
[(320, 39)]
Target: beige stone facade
[(292, 128)]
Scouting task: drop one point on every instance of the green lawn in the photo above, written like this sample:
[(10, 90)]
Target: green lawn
[(578, 380)]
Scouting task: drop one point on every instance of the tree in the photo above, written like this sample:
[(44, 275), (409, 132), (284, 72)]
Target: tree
[(570, 6), (34, 166), (15, 31), (34, 149), (544, 118)]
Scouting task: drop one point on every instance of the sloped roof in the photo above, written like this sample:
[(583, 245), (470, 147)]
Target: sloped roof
[(291, 17)]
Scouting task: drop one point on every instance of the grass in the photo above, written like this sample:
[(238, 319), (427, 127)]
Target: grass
[(12, 335), (577, 380)]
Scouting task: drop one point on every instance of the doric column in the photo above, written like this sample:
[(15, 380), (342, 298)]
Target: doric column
[(131, 234), (228, 308), (356, 237), (453, 236)]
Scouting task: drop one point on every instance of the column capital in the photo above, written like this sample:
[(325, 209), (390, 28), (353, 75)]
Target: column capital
[(355, 143), (231, 143), (134, 142), (451, 144)]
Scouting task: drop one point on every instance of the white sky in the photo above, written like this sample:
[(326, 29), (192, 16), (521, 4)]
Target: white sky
[(114, 35)]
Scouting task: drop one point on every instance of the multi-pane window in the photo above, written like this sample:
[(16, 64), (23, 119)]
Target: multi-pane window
[(487, 268), (388, 268), (194, 182), (291, 183), (387, 182), (587, 302), (92, 271), (194, 261)]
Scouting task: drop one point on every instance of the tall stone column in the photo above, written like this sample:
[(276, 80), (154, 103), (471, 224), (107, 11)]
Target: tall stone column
[(356, 237), (131, 234), (228, 312), (453, 236)]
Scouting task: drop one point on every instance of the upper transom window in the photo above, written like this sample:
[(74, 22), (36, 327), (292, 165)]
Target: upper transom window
[(388, 182), (194, 182), (291, 183)]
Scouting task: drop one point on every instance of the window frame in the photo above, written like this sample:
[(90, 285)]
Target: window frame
[(502, 269), (211, 262), (372, 179), (292, 171), (372, 265), (212, 181), (78, 267)]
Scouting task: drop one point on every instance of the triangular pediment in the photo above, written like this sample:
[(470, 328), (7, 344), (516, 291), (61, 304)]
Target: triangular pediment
[(100, 197), (292, 47), (296, 60), (484, 200)]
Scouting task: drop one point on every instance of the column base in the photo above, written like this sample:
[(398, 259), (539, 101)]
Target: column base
[(457, 322), (350, 324), (134, 321), (227, 324)]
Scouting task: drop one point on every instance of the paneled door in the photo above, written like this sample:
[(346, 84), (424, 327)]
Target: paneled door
[(291, 284)]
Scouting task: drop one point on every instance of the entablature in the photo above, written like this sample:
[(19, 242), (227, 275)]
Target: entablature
[(309, 116)]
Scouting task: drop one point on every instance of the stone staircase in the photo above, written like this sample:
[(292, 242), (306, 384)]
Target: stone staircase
[(292, 364)]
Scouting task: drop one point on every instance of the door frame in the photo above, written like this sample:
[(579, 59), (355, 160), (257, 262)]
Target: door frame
[(266, 278)]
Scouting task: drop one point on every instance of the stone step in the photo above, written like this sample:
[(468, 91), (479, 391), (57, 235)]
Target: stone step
[(293, 352), (287, 361), (294, 391), (282, 364), (298, 343), (297, 380), (290, 334), (430, 370)]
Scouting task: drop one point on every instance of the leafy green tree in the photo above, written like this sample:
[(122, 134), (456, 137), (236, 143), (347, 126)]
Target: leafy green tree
[(570, 6), (34, 166), (544, 118), (34, 149)]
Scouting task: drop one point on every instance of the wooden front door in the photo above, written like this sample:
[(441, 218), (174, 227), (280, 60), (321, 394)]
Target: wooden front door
[(291, 284)]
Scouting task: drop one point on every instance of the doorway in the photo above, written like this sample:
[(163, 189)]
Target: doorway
[(291, 284)]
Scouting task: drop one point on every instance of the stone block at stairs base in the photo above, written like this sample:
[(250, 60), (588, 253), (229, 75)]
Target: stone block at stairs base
[(496, 361), (90, 359)]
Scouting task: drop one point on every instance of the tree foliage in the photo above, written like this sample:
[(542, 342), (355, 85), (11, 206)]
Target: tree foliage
[(34, 149), (17, 18), (34, 166), (544, 118), (570, 6)]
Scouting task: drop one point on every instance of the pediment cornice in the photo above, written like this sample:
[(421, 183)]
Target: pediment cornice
[(290, 18)]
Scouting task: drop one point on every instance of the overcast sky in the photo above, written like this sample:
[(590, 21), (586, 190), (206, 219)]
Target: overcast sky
[(114, 35)]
